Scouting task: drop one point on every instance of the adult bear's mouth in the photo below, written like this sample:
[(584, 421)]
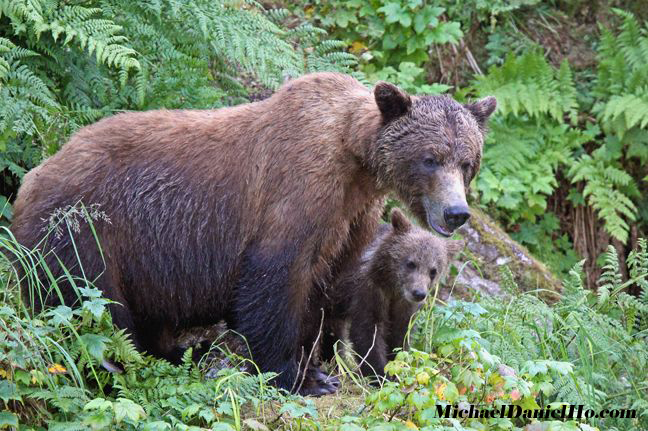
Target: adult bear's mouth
[(429, 209), (438, 229)]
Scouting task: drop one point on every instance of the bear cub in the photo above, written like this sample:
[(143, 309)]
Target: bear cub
[(372, 303)]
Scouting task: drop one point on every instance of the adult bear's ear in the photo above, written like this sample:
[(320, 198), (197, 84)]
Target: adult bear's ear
[(482, 109), (454, 247), (399, 221), (391, 100)]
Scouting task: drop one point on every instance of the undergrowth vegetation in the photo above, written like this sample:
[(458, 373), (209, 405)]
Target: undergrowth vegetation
[(538, 132), (59, 371), (603, 335)]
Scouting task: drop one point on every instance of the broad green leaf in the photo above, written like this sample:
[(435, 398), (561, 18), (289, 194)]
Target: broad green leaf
[(61, 315), (95, 344), (98, 404), (128, 409), (8, 391)]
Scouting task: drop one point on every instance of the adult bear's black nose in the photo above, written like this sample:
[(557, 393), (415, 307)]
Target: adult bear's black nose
[(455, 216)]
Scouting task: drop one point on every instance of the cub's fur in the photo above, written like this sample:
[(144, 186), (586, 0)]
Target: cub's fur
[(375, 301)]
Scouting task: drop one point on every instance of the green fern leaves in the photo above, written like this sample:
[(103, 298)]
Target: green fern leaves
[(622, 82), (630, 107), (606, 188), (603, 334), (529, 140), (72, 24), (535, 133), (528, 84), (622, 108)]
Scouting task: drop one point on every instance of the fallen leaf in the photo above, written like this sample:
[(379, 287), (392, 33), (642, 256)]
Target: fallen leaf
[(57, 369)]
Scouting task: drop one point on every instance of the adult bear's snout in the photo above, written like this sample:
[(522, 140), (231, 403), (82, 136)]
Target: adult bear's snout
[(455, 216)]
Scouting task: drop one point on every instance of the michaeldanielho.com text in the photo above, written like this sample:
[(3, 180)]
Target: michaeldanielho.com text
[(563, 412)]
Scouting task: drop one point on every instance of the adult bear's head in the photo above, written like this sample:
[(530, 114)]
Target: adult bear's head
[(428, 150)]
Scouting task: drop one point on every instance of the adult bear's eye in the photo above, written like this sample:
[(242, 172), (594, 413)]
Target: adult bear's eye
[(433, 273), (466, 168), (411, 264), (430, 163)]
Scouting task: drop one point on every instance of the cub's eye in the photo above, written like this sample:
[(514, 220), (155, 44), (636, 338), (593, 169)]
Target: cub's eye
[(430, 163), (465, 167), (411, 264), (433, 273)]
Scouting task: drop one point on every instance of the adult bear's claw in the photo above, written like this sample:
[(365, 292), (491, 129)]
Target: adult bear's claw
[(321, 377), (318, 383)]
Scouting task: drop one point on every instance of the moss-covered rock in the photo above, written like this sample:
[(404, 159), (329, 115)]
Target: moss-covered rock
[(488, 250)]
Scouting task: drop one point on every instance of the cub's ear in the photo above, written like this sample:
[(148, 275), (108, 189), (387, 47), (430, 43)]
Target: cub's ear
[(482, 109), (399, 221), (391, 100), (454, 246)]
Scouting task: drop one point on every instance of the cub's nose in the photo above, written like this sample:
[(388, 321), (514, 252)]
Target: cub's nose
[(419, 294), (455, 216)]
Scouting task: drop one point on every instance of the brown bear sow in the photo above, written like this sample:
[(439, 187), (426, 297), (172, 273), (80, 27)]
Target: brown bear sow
[(239, 213), (374, 302)]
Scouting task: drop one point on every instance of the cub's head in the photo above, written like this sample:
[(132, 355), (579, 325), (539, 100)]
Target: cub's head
[(428, 150), (416, 258)]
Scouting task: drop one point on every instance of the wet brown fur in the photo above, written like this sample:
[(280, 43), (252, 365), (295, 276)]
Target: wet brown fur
[(238, 213)]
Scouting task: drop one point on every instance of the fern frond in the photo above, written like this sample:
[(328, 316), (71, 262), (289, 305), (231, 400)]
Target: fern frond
[(529, 85), (605, 187), (622, 80)]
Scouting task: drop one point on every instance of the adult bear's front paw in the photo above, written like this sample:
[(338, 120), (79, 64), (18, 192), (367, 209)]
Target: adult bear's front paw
[(321, 377), (317, 383)]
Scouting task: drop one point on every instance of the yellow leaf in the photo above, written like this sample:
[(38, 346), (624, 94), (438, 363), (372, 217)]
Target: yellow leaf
[(439, 391), (357, 47), (57, 369), (3, 373), (37, 376), (411, 425), (496, 380), (423, 378)]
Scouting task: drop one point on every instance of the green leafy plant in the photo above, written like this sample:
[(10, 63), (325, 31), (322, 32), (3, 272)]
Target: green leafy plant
[(460, 373), (409, 78), (611, 187), (393, 31), (528, 140), (58, 365), (393, 38), (487, 11), (535, 134)]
